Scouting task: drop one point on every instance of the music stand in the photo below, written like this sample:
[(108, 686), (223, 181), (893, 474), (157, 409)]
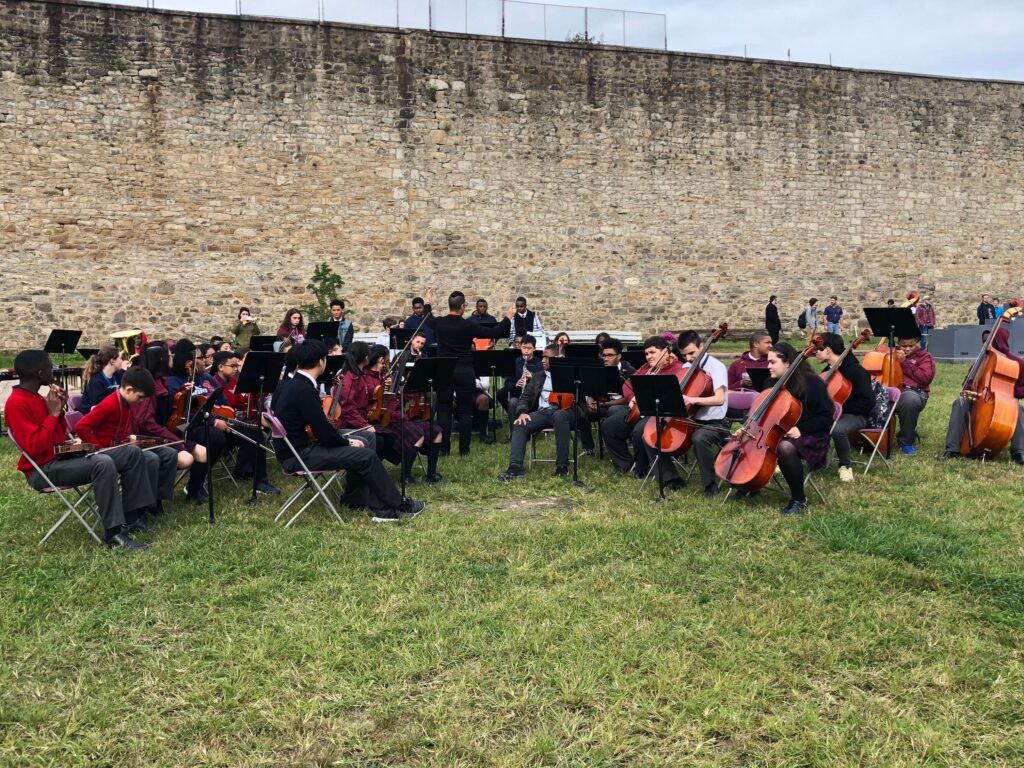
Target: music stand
[(87, 352), (322, 331), (334, 363), (758, 378), (426, 376), (62, 341), (260, 374), (262, 343), (581, 350), (401, 336), (494, 363), (635, 357), (658, 396), (892, 323), (580, 378), (203, 414)]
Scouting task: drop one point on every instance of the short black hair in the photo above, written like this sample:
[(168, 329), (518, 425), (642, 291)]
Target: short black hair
[(309, 353), (417, 300), (216, 341), (520, 298), (244, 309), (456, 301), (141, 379), (686, 338), (338, 303), (757, 336), (377, 351), (528, 339), (660, 342), (611, 343), (222, 357), (30, 362), (834, 342)]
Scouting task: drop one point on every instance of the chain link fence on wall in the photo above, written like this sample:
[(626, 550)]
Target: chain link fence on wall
[(500, 18)]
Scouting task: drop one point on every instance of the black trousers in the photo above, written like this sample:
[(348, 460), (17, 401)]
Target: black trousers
[(618, 435), (368, 484), (705, 443), (958, 423), (463, 388), (250, 459)]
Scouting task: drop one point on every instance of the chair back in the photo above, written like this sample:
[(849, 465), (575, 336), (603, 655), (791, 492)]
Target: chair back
[(74, 401), (894, 395), (72, 418), (837, 411), (741, 399), (276, 427)]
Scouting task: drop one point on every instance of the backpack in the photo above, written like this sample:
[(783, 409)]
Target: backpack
[(801, 321), (880, 410)]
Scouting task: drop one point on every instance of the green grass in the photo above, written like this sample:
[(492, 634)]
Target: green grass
[(532, 624)]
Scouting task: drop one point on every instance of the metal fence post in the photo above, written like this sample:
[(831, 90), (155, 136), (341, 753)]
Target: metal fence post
[(545, 21), (586, 24), (502, 18), (430, 15)]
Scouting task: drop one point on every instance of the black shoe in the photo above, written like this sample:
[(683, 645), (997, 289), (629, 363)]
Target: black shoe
[(410, 480), (675, 485), (140, 525), (463, 453), (199, 497), (587, 452), (266, 488), (437, 477), (123, 541), (487, 440), (1017, 458), (411, 507), (794, 507), (241, 476), (386, 516), (512, 474), (561, 471), (710, 491), (950, 455)]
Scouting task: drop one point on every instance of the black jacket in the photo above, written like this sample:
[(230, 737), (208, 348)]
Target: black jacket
[(455, 335), (862, 398), (816, 418), (296, 404), (771, 316)]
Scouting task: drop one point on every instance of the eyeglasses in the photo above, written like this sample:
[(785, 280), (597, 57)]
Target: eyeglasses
[(609, 354)]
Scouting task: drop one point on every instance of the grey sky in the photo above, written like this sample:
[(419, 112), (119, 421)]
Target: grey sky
[(967, 38)]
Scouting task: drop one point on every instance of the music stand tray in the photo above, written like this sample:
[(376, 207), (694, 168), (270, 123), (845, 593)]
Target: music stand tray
[(401, 336), (495, 362), (758, 378), (582, 350), (262, 343), (321, 331), (334, 363), (892, 323), (635, 357), (658, 396)]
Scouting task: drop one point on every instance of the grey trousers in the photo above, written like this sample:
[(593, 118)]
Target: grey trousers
[(958, 423), (103, 470), (847, 423), (908, 409), (705, 441), (562, 421), (618, 435), (367, 483), (162, 468)]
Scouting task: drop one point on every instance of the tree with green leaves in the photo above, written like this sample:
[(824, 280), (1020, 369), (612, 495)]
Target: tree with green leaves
[(325, 285)]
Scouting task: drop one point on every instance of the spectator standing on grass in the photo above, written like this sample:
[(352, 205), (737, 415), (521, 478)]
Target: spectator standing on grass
[(772, 323), (924, 314), (834, 316), (811, 318)]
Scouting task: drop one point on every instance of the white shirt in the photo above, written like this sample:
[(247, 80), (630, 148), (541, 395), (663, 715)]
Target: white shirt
[(719, 379)]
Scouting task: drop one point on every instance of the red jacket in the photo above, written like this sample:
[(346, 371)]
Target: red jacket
[(741, 365), (675, 367), (109, 422), (33, 428), (918, 370), (1001, 343), (355, 400)]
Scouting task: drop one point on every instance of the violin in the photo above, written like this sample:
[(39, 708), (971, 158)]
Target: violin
[(379, 413), (748, 460), (677, 434), (881, 364), (839, 387), (634, 410), (73, 450), (331, 406), (989, 387), (418, 407), (181, 403)]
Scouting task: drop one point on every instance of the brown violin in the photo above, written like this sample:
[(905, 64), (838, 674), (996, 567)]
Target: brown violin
[(418, 407), (677, 434), (379, 413), (748, 460), (989, 386), (839, 387)]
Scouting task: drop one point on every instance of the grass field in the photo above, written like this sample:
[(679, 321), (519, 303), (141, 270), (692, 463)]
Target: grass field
[(532, 624)]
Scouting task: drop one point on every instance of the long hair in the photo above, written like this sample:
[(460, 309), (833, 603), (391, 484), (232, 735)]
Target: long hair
[(357, 352), (183, 352), (287, 322), (797, 384), (156, 360), (98, 362)]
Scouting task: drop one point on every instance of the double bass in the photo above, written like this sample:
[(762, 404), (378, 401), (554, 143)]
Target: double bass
[(989, 387), (839, 387), (881, 363), (677, 434), (748, 460)]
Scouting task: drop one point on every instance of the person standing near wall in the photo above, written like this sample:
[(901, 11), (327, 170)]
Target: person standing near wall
[(924, 314), (834, 316), (772, 323)]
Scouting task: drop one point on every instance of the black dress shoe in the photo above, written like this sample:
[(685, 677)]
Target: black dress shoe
[(794, 507), (1017, 458), (140, 525), (587, 452), (198, 497), (437, 477), (410, 480), (266, 488), (123, 541), (710, 491), (950, 455), (487, 440), (512, 474), (561, 471), (677, 484)]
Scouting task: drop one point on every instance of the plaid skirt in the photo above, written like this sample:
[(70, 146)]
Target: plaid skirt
[(813, 449), (414, 431)]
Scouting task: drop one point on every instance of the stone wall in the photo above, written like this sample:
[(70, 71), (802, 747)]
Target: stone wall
[(160, 169)]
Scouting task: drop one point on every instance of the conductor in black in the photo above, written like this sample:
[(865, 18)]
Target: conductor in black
[(455, 336)]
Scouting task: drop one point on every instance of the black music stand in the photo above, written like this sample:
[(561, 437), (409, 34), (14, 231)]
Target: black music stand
[(892, 323), (334, 363), (426, 376), (203, 414), (63, 342), (260, 374), (401, 336), (658, 396), (580, 378), (322, 331), (87, 352), (759, 378), (582, 350), (262, 343), (494, 363), (635, 357)]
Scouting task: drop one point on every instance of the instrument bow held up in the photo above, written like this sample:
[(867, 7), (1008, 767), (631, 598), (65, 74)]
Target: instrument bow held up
[(748, 460), (989, 387)]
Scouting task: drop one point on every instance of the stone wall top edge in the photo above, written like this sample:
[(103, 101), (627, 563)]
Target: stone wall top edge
[(530, 42)]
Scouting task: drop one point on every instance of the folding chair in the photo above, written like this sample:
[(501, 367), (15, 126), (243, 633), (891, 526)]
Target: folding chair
[(83, 501), (309, 477), (73, 402), (533, 448), (874, 436), (72, 418)]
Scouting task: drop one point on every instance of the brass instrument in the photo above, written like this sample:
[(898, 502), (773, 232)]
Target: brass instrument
[(912, 298), (128, 342)]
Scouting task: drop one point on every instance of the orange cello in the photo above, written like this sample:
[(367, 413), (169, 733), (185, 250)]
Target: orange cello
[(748, 460), (839, 387), (677, 434), (881, 363), (989, 387)]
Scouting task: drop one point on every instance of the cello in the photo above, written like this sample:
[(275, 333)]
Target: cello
[(677, 434), (989, 387), (881, 363), (839, 387), (748, 460)]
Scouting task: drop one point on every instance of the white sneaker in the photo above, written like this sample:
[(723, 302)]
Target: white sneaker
[(846, 474)]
